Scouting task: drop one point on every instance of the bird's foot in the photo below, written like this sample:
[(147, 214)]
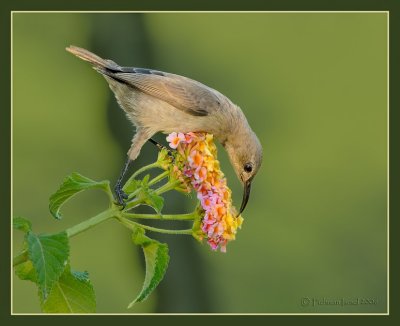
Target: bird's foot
[(121, 195)]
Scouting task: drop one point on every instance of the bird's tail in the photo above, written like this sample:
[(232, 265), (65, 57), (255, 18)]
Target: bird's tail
[(94, 59)]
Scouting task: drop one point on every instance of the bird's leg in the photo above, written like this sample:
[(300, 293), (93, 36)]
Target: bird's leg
[(156, 143), (120, 194), (160, 147), (141, 136)]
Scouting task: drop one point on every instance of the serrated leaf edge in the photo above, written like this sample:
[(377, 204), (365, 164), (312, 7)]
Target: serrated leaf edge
[(144, 293)]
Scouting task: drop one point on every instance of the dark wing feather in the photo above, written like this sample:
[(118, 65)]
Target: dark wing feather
[(183, 93)]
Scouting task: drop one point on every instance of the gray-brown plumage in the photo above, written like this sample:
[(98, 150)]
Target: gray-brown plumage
[(157, 101)]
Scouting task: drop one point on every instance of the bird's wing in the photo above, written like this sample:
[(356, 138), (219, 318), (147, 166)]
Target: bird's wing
[(183, 93)]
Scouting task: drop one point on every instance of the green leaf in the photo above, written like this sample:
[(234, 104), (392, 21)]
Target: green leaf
[(72, 293), (157, 259), (22, 224), (155, 201), (132, 186), (26, 271), (165, 157), (149, 196), (83, 276), (139, 238), (145, 181), (197, 232), (49, 255), (72, 185), (145, 194)]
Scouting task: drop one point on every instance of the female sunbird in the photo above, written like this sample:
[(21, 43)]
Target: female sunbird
[(157, 101)]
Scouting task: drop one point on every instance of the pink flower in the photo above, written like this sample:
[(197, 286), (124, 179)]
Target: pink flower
[(195, 159), (200, 170), (208, 219), (200, 174), (213, 244), (174, 139), (188, 172), (208, 201), (189, 137)]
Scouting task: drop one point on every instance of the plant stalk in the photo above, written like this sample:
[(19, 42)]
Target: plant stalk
[(141, 170), (76, 229), (167, 187), (132, 225), (177, 217), (151, 182), (91, 222), (158, 178)]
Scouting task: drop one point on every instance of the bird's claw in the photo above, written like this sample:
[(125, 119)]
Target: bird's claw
[(121, 195)]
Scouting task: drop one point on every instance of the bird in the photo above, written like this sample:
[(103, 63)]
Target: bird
[(156, 101)]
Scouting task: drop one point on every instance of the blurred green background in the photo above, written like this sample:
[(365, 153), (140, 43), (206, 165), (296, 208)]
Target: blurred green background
[(313, 87)]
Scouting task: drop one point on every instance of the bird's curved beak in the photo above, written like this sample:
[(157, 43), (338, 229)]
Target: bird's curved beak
[(246, 195)]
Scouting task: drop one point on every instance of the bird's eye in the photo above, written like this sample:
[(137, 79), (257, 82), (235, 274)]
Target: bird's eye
[(248, 167)]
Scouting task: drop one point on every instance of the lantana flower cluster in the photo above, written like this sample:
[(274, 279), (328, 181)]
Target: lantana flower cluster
[(196, 167)]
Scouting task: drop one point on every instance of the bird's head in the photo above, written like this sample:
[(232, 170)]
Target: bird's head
[(245, 153)]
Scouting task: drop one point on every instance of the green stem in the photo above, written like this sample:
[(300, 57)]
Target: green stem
[(133, 194), (164, 188), (76, 229), (132, 225), (141, 170), (133, 204), (150, 228), (91, 222), (158, 178), (167, 187), (177, 217), (151, 182)]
